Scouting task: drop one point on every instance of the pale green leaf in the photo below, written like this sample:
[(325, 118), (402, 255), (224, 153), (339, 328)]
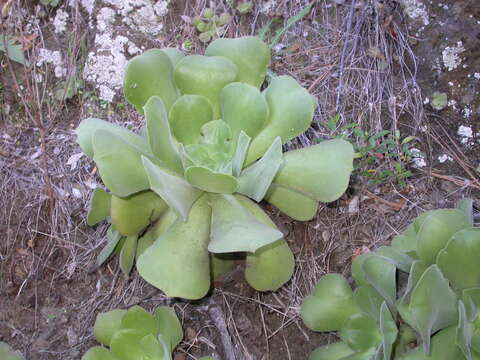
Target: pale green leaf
[(335, 351), (235, 229), (471, 299), (169, 325), (368, 300), (464, 333), (153, 349), (107, 324), (99, 206), (329, 305), (221, 264), (12, 50), (250, 54), (113, 237), (119, 164), (187, 116), (127, 254), (388, 330), (295, 204), (150, 74), (159, 135), (139, 319), (360, 332), (126, 344), (291, 113), (176, 191), (401, 260), (173, 54), (94, 353), (381, 274), (466, 205), (178, 262), (241, 149), (206, 76), (204, 179)]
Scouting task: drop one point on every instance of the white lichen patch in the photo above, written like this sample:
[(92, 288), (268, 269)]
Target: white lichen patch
[(88, 5), (476, 76), (268, 7), (466, 134), (53, 58), (106, 66), (444, 157), (105, 17), (418, 158), (451, 56), (467, 111), (416, 10), (60, 21)]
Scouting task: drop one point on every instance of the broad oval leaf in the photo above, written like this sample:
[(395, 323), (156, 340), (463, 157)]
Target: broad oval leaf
[(159, 136), (360, 332), (368, 300), (88, 127), (107, 324), (206, 76), (381, 274), (99, 207), (98, 353), (335, 351), (139, 319), (119, 164), (153, 348), (325, 170), (178, 262), (272, 265), (204, 179), (255, 180), (176, 191), (235, 229), (169, 325), (126, 344), (133, 213), (401, 260), (243, 108), (221, 264), (357, 268), (174, 55), (458, 260), (330, 304), (249, 53), (150, 74), (296, 205), (187, 116), (436, 229), (406, 241), (291, 113)]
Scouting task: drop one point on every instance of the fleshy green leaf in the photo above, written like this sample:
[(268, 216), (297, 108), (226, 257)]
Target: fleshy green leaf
[(401, 260), (325, 170), (221, 264), (360, 332), (330, 304), (106, 324), (238, 159), (144, 243), (388, 330), (335, 351), (159, 135), (187, 116), (153, 349), (464, 332), (113, 239), (255, 180), (443, 348), (178, 262), (150, 74), (127, 254), (139, 319), (368, 300), (206, 76), (174, 55), (471, 299), (235, 229), (163, 224), (416, 272), (291, 113), (176, 191), (381, 274), (119, 164), (243, 108), (466, 205), (131, 214), (407, 240), (433, 305), (272, 265), (99, 207), (295, 204), (435, 231), (169, 325), (458, 260), (96, 353), (126, 344), (88, 127), (250, 54), (204, 179), (357, 268)]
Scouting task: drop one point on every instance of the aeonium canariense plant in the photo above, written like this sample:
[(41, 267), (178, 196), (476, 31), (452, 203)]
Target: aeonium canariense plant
[(434, 316), (135, 334), (183, 192)]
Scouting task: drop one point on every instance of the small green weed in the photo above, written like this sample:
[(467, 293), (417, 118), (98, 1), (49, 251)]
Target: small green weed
[(210, 25), (382, 156)]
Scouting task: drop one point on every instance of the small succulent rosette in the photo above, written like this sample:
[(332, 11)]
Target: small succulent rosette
[(136, 334), (433, 316), (183, 192)]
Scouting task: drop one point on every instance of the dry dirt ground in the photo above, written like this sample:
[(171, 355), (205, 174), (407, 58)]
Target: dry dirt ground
[(374, 63)]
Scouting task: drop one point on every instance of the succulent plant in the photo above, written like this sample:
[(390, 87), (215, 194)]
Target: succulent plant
[(209, 25), (434, 316), (181, 190), (135, 334)]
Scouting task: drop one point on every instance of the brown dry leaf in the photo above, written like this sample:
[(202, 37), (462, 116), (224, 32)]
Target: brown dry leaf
[(360, 251), (26, 41), (294, 47)]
